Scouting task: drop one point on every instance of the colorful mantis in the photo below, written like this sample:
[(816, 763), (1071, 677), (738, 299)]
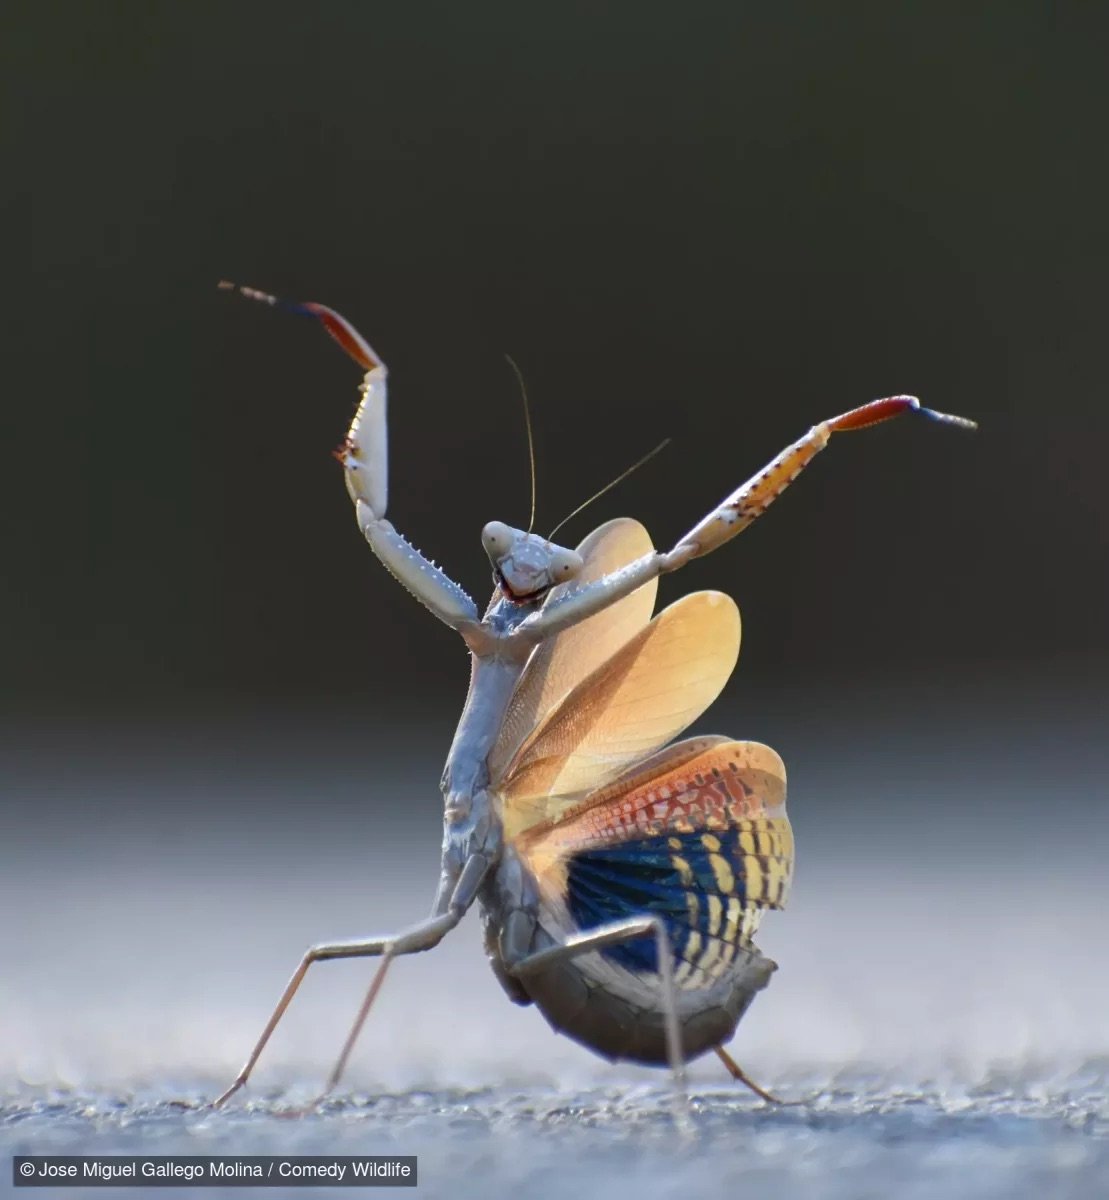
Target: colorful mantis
[(621, 878)]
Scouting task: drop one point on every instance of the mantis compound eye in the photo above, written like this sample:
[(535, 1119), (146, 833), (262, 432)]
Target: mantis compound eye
[(496, 537), (565, 565)]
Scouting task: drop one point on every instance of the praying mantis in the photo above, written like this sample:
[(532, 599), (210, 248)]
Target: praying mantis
[(621, 876)]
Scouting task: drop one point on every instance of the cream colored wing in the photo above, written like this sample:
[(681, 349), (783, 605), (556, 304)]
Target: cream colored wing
[(633, 703), (556, 666)]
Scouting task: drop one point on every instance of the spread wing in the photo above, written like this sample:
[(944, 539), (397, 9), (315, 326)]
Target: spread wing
[(637, 700), (698, 834), (557, 665)]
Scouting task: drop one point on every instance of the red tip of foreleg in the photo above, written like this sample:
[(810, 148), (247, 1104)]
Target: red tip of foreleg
[(336, 325), (887, 408), (873, 413), (345, 334)]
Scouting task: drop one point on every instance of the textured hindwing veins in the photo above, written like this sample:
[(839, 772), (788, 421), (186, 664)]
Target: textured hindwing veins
[(699, 836)]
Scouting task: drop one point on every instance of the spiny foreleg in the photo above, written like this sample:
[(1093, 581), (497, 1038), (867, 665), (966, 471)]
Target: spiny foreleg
[(753, 498), (730, 517), (364, 457)]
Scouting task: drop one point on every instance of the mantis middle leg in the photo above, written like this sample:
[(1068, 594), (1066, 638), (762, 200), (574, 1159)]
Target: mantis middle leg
[(610, 935), (424, 936)]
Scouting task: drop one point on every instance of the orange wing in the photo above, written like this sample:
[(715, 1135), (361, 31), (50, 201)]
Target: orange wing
[(559, 664), (646, 693)]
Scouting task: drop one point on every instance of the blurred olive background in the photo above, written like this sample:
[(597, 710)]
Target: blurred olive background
[(716, 222)]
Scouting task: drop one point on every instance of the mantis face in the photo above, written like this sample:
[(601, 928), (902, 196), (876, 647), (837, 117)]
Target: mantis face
[(526, 565)]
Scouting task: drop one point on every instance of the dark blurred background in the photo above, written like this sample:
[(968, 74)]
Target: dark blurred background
[(718, 222)]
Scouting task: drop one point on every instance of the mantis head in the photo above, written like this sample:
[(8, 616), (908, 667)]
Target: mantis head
[(526, 565)]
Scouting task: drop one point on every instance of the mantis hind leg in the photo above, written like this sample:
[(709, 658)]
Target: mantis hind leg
[(424, 936), (741, 1076), (421, 937)]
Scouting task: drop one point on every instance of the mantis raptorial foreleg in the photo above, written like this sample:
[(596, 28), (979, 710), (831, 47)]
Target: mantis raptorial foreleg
[(754, 497), (364, 458), (730, 517), (364, 455)]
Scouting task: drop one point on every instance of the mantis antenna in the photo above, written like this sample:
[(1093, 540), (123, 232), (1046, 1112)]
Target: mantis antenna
[(611, 484), (531, 439)]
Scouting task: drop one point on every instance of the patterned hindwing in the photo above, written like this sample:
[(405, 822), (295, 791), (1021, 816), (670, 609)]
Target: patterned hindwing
[(698, 835)]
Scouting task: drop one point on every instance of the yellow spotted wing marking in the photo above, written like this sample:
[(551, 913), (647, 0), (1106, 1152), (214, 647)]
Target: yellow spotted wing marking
[(777, 870), (685, 872), (715, 812), (722, 869), (716, 911), (688, 973), (709, 958), (752, 877)]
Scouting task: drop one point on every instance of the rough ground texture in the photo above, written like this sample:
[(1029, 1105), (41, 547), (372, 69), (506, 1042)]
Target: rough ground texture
[(856, 1138), (940, 1001)]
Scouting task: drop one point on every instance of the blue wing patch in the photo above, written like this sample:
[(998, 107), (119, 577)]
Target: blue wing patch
[(709, 888)]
